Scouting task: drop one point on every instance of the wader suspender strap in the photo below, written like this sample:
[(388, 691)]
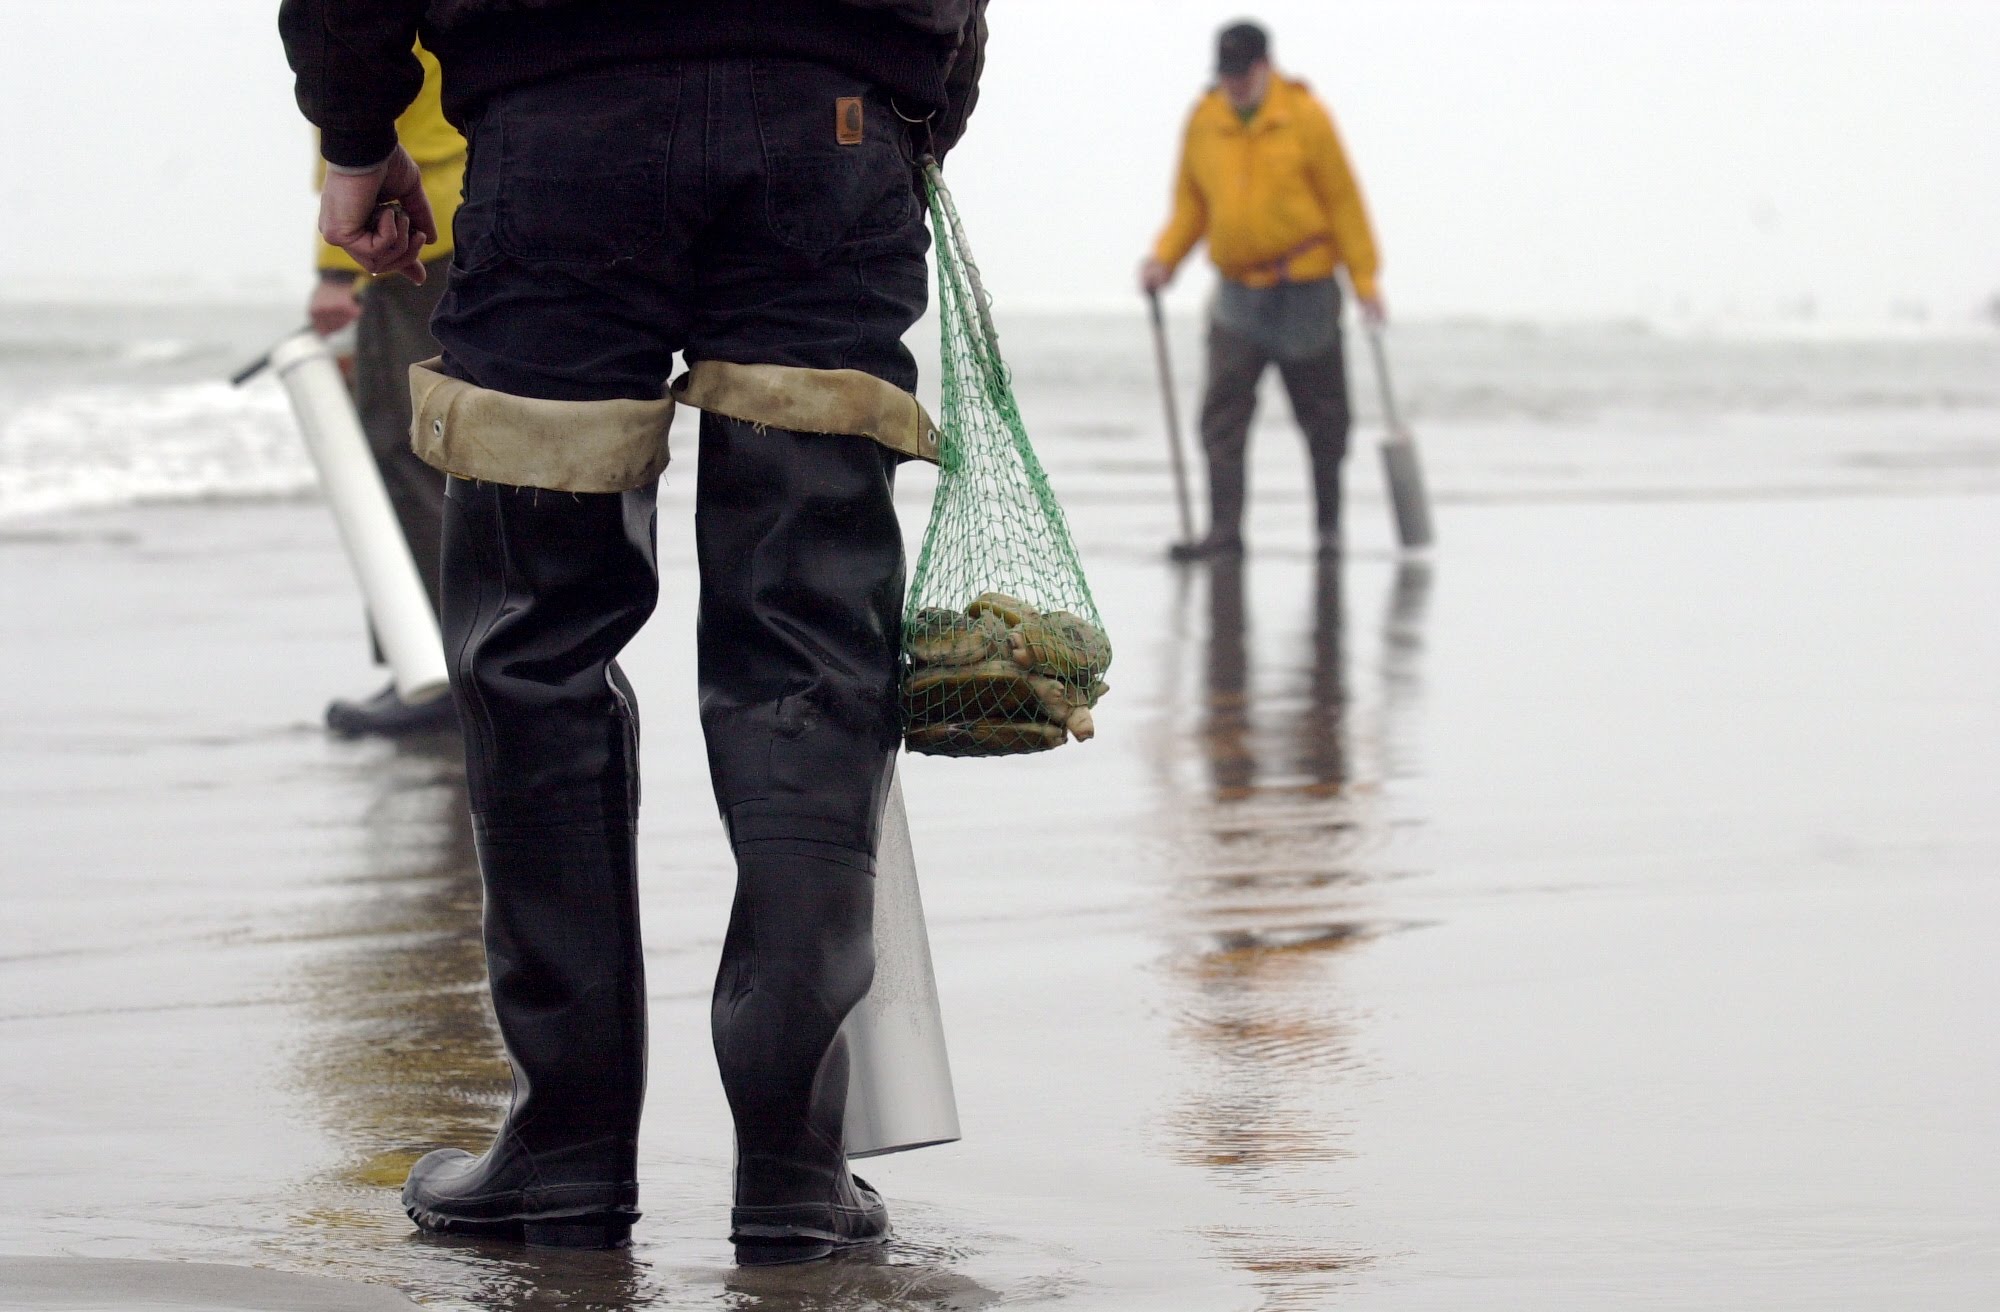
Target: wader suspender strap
[(1280, 267), (613, 446), (812, 401), (566, 446)]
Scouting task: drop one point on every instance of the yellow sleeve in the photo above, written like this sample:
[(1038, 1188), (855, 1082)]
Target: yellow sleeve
[(423, 129), (439, 151), (1340, 195), (437, 148), (1190, 218)]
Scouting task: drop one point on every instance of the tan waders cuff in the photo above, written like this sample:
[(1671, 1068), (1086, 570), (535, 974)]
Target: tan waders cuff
[(812, 401), (565, 446)]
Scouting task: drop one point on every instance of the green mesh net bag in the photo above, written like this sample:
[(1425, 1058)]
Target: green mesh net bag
[(1004, 649)]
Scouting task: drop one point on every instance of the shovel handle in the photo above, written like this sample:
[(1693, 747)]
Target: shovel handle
[(1166, 365), (1377, 348)]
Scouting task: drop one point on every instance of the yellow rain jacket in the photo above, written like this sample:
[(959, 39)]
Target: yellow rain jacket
[(1275, 197), (439, 151)]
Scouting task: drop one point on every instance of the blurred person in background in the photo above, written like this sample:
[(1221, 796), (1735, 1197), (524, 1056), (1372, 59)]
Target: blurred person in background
[(735, 183), (1264, 180), (394, 333)]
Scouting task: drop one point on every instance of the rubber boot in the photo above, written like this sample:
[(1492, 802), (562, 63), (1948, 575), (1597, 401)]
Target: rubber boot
[(387, 715), (541, 591), (1326, 499), (799, 955), (1317, 385), (1224, 539), (801, 616), (1228, 407)]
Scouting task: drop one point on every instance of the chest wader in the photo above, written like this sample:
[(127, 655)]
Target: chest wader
[(541, 590), (800, 620), (1296, 326), (800, 641)]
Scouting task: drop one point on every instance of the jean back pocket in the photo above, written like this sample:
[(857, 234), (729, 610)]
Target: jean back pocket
[(583, 165)]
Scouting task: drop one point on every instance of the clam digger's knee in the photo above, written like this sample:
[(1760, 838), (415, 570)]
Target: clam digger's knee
[(476, 433), (844, 401)]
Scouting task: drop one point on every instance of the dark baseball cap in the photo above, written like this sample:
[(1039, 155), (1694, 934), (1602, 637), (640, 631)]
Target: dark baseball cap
[(1238, 47)]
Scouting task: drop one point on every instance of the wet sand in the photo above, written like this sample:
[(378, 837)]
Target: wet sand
[(1600, 916), (52, 1284)]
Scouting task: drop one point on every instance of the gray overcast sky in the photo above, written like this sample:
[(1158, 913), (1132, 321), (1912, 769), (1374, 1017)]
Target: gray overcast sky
[(1679, 159)]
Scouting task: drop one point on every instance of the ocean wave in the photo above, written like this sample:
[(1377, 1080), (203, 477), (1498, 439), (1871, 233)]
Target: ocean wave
[(109, 406), (103, 447)]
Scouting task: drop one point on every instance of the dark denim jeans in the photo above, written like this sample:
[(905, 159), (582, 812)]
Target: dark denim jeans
[(727, 210), (709, 207)]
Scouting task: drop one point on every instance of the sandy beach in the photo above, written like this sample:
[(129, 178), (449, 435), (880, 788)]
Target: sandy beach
[(1598, 914)]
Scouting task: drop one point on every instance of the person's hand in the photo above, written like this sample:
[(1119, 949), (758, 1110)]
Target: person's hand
[(380, 217), (1375, 310), (333, 305), (1153, 275)]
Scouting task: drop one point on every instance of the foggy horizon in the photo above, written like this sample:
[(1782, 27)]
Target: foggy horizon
[(1782, 163)]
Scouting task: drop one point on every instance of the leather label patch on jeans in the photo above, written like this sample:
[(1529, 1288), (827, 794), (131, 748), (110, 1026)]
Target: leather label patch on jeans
[(847, 120)]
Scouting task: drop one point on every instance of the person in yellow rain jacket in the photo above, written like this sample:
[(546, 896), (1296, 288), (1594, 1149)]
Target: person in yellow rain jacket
[(1264, 180), (394, 333)]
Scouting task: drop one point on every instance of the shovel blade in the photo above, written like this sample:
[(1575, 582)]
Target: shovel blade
[(1412, 504)]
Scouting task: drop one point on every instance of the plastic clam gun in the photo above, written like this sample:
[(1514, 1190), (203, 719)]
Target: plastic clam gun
[(899, 1090), (394, 591)]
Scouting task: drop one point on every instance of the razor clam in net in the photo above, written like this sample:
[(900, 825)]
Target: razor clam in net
[(1004, 648)]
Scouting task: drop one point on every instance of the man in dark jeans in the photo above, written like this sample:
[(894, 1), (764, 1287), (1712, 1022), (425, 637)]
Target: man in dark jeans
[(647, 179)]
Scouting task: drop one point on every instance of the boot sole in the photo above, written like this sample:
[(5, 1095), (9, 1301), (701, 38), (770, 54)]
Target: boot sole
[(609, 1232), (600, 1231), (791, 1252), (806, 1232)]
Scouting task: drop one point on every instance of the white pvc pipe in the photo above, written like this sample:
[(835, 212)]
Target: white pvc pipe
[(899, 1093), (390, 584)]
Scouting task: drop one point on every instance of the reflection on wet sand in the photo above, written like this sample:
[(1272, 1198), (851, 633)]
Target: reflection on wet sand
[(1273, 867), (1401, 668), (510, 1279), (500, 1278), (871, 1280), (403, 1056), (1313, 711), (1279, 834), (401, 1052)]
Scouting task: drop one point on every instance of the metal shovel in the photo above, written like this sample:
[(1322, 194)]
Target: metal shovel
[(1399, 458), (1166, 365)]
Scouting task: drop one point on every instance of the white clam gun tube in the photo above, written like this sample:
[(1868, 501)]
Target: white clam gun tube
[(899, 1092), (390, 584)]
